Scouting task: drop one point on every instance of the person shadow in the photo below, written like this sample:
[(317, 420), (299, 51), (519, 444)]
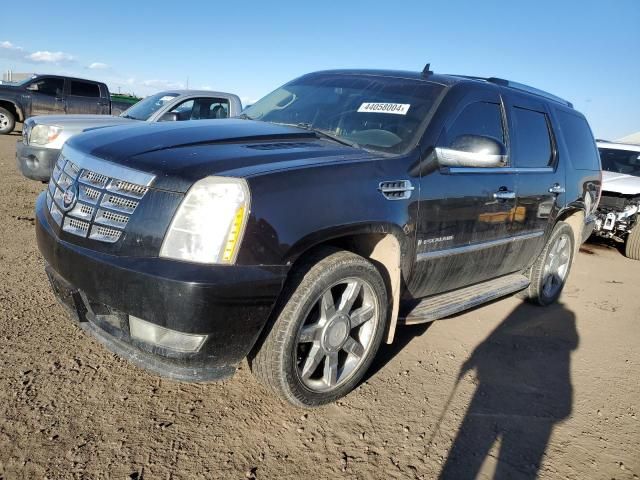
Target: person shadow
[(523, 390)]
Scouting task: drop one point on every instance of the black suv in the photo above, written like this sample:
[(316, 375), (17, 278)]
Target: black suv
[(301, 234)]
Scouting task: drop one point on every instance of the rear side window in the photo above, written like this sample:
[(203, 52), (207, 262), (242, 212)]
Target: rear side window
[(579, 141), (533, 145), (480, 118), (84, 89)]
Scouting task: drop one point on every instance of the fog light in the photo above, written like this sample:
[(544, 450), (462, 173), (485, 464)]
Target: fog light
[(164, 337)]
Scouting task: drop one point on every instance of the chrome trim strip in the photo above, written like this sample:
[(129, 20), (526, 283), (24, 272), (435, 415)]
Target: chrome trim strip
[(452, 170), (103, 167), (477, 246)]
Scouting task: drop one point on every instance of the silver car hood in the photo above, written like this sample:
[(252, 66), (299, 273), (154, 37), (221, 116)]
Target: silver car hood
[(79, 122), (620, 183)]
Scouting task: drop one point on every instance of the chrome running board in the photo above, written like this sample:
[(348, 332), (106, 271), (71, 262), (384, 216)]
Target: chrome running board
[(446, 304)]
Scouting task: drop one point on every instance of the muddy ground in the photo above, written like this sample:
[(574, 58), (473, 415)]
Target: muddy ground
[(553, 392)]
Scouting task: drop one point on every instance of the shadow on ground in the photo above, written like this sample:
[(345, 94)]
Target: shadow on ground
[(524, 389)]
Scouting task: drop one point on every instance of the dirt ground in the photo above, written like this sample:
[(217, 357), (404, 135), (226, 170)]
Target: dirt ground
[(552, 392)]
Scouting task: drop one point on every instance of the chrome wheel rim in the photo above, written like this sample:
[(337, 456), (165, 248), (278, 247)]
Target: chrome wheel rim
[(556, 266), (337, 334), (4, 121)]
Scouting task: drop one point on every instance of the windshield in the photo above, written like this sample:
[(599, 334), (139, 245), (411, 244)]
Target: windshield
[(620, 161), (148, 106), (375, 112)]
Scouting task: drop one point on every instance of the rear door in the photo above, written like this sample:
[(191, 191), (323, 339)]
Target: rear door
[(84, 97), (47, 95), (465, 214), (540, 173)]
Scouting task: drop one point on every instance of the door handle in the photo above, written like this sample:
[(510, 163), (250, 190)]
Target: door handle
[(58, 99), (504, 195), (556, 188)]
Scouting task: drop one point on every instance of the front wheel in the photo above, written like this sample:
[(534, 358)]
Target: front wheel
[(7, 121), (327, 332), (632, 244), (549, 273)]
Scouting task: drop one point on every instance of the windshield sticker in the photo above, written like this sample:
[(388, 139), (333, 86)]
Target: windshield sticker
[(395, 108)]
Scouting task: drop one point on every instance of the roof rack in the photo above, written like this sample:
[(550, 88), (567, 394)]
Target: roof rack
[(522, 87)]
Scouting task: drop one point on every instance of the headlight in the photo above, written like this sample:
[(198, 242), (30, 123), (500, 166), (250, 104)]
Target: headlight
[(209, 223), (43, 134)]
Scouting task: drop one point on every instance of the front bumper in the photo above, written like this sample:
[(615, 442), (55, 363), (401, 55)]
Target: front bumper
[(231, 304), (36, 163)]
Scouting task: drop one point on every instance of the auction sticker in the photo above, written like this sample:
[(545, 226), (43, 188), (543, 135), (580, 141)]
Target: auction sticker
[(395, 108)]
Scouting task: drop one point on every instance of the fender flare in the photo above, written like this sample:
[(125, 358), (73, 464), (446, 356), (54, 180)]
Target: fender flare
[(16, 107)]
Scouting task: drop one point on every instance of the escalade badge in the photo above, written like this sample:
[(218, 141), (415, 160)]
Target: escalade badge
[(69, 197)]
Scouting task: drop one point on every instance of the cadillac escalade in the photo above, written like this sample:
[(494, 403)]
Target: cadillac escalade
[(302, 234)]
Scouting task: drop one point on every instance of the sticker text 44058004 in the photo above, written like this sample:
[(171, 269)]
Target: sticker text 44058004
[(395, 108)]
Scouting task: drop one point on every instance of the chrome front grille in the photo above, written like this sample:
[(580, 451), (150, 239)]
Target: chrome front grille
[(93, 198)]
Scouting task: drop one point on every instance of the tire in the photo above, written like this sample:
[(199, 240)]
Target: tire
[(632, 244), (7, 121), (309, 345), (553, 265)]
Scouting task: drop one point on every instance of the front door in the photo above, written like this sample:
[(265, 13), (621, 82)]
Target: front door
[(465, 215), (47, 96)]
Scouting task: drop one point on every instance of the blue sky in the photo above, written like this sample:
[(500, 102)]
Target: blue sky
[(584, 50)]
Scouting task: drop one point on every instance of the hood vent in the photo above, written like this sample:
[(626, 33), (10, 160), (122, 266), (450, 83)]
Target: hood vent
[(279, 145)]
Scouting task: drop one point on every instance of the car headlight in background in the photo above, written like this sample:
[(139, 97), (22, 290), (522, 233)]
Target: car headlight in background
[(209, 223), (44, 134)]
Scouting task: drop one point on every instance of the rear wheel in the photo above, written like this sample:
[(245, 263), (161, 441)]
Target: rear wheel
[(7, 121), (327, 332), (632, 245), (550, 271)]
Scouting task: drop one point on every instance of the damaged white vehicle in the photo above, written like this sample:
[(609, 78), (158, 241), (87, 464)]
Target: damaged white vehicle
[(618, 212)]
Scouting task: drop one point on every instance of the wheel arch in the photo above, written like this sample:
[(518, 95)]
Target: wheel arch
[(385, 245), (574, 216), (14, 108)]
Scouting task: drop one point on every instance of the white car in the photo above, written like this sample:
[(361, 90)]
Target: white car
[(619, 208), (44, 136)]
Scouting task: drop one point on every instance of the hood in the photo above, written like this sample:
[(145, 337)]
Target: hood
[(620, 183), (180, 153), (80, 122)]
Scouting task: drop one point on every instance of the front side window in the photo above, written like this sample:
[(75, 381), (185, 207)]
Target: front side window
[(481, 119), (48, 86), (620, 161), (533, 143), (84, 89), (202, 109), (148, 106), (375, 112)]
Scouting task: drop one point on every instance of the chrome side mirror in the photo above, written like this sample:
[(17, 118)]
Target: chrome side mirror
[(475, 151)]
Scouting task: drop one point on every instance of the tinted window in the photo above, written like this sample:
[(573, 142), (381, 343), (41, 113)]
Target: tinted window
[(84, 89), (533, 145), (620, 161), (479, 118), (579, 140), (48, 86)]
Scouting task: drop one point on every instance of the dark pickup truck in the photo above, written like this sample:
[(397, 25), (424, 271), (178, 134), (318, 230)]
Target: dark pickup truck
[(53, 94), (301, 234)]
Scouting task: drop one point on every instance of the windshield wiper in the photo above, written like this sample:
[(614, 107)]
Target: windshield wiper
[(244, 116), (326, 134)]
